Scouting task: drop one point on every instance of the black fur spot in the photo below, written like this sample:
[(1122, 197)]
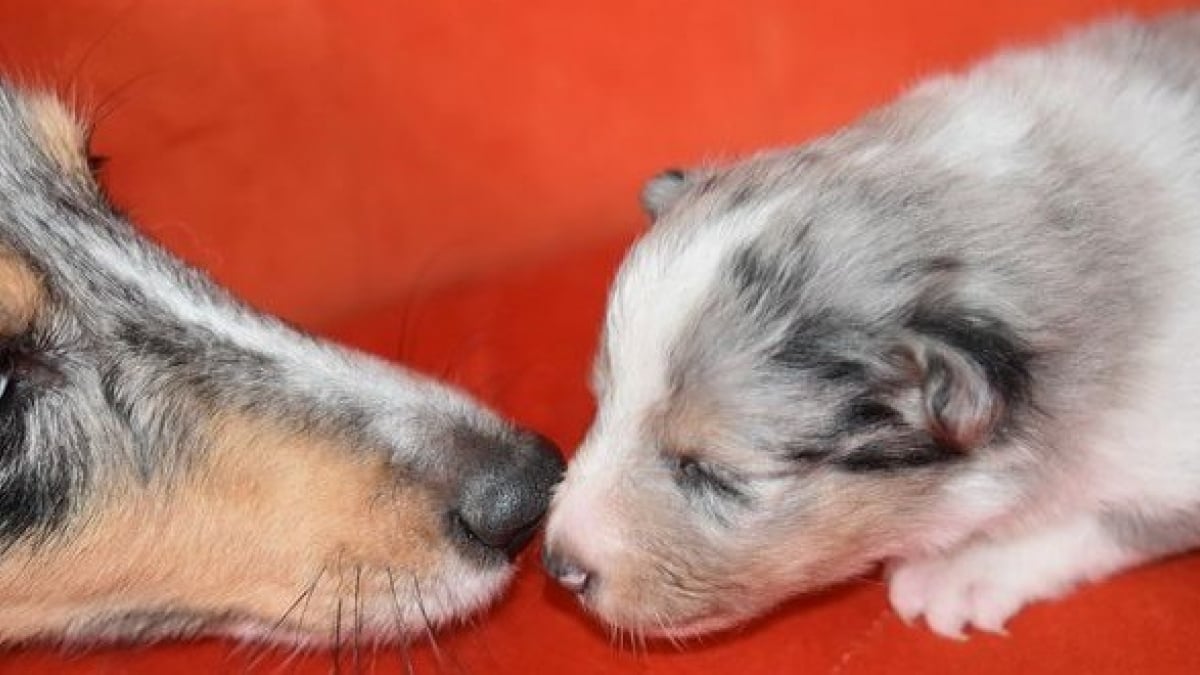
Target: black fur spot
[(799, 351), (753, 276), (925, 267), (816, 343), (770, 288), (885, 457), (806, 453), (32, 498), (865, 412), (839, 369), (162, 345), (768, 284), (186, 349), (33, 494)]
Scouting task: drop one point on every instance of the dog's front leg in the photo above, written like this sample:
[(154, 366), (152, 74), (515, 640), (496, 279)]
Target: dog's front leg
[(987, 581)]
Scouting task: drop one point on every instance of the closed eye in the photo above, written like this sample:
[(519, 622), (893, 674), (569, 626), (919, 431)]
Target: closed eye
[(696, 477)]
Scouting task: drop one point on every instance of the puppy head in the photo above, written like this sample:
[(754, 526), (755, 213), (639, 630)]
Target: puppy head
[(172, 462), (788, 392)]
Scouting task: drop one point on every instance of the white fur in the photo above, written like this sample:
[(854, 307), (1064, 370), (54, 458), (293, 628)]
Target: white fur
[(1003, 535), (984, 583), (460, 588), (655, 300), (1142, 456)]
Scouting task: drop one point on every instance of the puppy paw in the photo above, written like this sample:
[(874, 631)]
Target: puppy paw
[(969, 589), (985, 583)]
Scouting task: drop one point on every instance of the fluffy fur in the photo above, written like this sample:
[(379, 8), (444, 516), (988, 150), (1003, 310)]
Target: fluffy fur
[(173, 462), (957, 336)]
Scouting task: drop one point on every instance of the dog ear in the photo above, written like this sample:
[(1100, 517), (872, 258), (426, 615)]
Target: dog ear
[(662, 190), (971, 373)]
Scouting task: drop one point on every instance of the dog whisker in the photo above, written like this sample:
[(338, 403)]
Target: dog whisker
[(115, 98), (408, 665), (291, 659), (664, 628), (300, 601), (443, 657), (127, 369), (433, 644), (94, 45), (409, 321), (337, 638), (407, 656), (357, 617), (308, 597)]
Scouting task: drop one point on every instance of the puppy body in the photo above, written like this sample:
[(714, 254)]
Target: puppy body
[(958, 336)]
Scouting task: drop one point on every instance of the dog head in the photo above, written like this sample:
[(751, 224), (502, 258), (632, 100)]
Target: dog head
[(795, 381), (174, 462)]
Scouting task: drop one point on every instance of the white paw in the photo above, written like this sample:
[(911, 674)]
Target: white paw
[(963, 590), (985, 583)]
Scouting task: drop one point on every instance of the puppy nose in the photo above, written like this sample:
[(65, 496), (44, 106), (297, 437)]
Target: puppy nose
[(502, 501), (570, 574)]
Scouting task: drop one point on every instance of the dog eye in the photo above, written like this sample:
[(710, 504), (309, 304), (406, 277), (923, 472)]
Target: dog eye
[(21, 373), (696, 476), (7, 383)]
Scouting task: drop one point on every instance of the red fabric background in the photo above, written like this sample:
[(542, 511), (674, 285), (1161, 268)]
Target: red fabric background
[(451, 184), (324, 157)]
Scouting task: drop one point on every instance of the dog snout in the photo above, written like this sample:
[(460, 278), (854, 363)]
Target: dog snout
[(503, 499), (567, 571)]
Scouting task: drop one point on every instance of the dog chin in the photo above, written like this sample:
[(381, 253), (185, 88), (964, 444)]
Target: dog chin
[(669, 628), (696, 627), (461, 597)]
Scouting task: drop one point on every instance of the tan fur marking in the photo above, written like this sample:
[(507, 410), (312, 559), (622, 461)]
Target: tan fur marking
[(21, 293), (248, 528), (670, 576), (691, 426), (58, 132), (706, 589)]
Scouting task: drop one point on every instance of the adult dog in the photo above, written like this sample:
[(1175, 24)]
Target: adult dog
[(173, 463)]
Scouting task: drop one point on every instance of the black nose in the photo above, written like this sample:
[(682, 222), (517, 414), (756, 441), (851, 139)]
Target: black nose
[(567, 572), (505, 494)]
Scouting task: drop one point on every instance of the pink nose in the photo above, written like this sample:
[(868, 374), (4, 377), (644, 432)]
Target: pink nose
[(570, 574)]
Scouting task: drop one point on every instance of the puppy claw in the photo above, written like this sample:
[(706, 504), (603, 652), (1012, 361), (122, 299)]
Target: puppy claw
[(907, 590), (993, 610), (953, 594), (948, 619), (994, 629)]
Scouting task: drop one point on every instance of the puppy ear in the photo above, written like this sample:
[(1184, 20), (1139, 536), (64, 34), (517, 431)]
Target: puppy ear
[(972, 373), (662, 190)]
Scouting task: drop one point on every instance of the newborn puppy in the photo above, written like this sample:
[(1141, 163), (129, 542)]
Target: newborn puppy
[(959, 337)]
